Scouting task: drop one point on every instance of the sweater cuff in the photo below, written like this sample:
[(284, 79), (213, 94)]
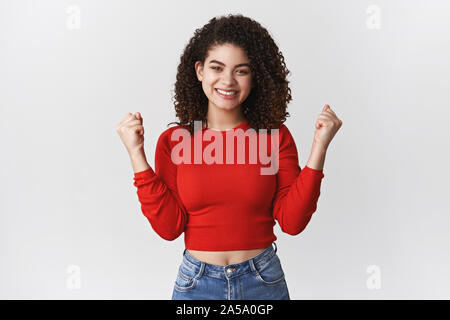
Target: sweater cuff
[(314, 172), (143, 177)]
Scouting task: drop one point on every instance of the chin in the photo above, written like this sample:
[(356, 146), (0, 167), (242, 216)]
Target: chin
[(226, 107)]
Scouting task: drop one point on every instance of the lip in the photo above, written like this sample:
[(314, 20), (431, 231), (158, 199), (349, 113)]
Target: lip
[(226, 90), (227, 97)]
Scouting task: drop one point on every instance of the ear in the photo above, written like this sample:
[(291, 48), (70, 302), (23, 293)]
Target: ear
[(199, 70)]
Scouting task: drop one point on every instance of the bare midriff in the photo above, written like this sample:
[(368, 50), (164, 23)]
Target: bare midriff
[(223, 258)]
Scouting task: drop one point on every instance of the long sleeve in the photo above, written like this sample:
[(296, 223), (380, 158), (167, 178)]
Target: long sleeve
[(297, 190), (158, 194)]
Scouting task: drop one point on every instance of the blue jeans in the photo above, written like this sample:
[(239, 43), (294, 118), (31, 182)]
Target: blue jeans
[(260, 277)]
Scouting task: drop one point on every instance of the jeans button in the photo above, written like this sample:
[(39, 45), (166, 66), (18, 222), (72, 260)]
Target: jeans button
[(230, 270)]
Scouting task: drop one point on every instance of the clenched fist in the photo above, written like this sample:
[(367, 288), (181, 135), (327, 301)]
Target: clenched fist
[(131, 132), (327, 125)]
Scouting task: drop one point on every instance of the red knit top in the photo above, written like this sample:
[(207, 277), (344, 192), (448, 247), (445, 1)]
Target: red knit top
[(227, 205)]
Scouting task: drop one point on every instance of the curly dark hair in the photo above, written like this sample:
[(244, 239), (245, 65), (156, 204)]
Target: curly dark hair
[(265, 107)]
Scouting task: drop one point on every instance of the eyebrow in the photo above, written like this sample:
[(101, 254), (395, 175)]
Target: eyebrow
[(236, 66)]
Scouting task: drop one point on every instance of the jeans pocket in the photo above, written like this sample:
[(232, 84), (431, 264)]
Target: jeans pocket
[(186, 278), (270, 273)]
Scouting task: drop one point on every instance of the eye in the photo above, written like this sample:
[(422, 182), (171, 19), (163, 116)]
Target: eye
[(243, 71), (215, 68)]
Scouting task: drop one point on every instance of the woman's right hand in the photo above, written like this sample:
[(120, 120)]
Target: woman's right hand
[(131, 132)]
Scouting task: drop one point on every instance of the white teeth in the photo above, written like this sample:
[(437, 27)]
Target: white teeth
[(226, 93)]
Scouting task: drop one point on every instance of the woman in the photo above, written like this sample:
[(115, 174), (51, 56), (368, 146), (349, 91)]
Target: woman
[(231, 80)]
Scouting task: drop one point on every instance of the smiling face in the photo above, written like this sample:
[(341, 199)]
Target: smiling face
[(226, 68)]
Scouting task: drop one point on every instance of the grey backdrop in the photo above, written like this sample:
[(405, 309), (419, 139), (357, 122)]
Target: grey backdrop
[(71, 225)]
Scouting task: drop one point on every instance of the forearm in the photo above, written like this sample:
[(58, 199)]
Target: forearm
[(162, 206), (295, 205), (139, 161), (317, 157)]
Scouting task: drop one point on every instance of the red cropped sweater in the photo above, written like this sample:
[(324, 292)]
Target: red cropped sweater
[(229, 205)]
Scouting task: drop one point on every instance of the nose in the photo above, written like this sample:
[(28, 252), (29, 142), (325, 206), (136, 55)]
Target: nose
[(228, 78)]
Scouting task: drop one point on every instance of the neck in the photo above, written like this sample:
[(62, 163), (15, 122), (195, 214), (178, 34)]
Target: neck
[(221, 119)]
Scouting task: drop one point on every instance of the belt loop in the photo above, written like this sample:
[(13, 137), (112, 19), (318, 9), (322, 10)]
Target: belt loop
[(202, 269), (252, 264), (275, 247)]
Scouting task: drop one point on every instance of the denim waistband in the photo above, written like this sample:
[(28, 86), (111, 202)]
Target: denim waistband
[(231, 270)]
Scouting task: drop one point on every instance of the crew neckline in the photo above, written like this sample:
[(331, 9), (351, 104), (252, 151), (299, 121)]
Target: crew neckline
[(239, 126)]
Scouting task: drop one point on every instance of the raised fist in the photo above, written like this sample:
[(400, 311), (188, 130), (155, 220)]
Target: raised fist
[(131, 132)]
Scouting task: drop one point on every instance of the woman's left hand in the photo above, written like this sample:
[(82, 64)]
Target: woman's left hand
[(327, 125)]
